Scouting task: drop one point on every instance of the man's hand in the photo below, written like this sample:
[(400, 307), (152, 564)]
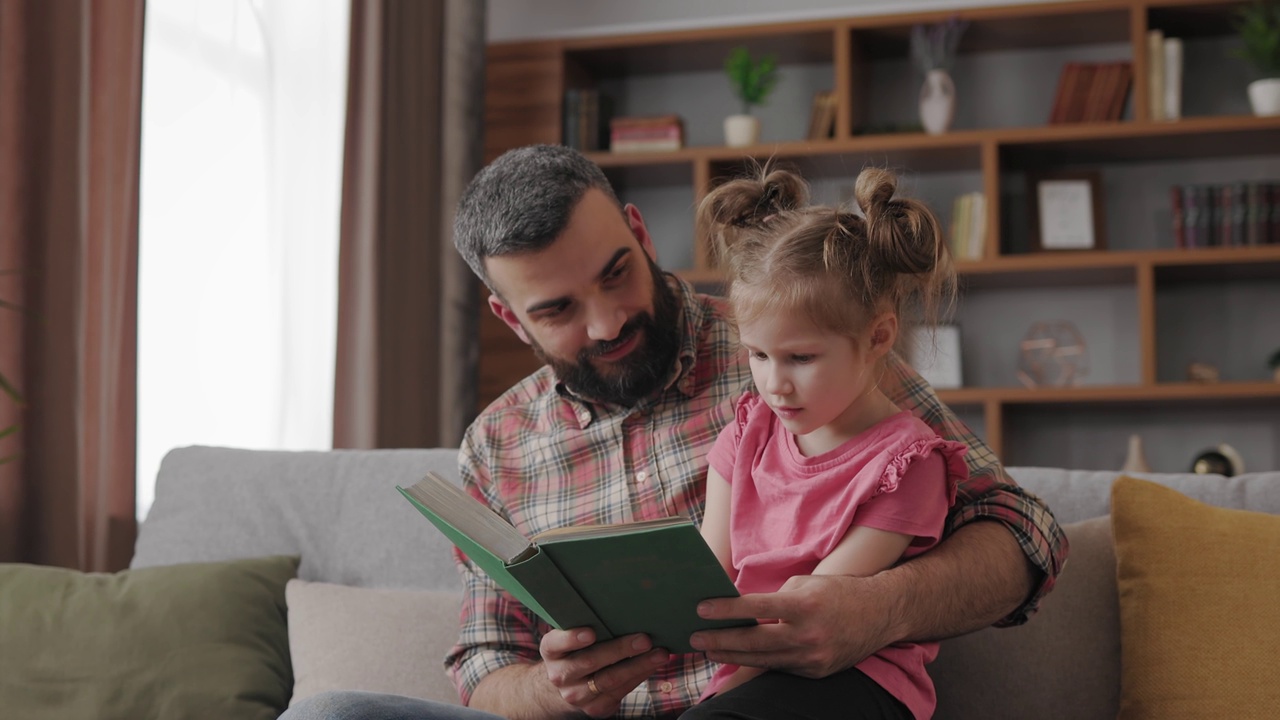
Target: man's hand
[(828, 623), (561, 685), (595, 677), (825, 623)]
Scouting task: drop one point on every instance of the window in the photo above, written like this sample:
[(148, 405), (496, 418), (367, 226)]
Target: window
[(242, 131)]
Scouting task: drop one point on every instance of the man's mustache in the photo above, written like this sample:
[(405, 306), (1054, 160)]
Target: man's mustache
[(603, 347)]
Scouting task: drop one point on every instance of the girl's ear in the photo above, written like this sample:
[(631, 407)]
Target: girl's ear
[(884, 334)]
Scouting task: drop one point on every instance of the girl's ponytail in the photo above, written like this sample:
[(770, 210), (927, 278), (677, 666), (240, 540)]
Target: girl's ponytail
[(743, 206), (903, 235)]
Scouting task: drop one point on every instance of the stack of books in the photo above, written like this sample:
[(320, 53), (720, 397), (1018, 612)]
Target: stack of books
[(1091, 92), (1226, 215), (968, 226), (659, 133)]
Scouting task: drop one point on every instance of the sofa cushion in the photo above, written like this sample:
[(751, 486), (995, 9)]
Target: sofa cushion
[(1063, 664), (1199, 614), (389, 641), (1076, 495), (195, 640), (338, 510)]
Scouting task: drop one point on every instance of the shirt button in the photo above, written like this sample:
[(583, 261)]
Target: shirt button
[(666, 687), (642, 476)]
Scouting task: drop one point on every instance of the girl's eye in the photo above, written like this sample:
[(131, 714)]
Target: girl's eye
[(759, 355), (802, 358)]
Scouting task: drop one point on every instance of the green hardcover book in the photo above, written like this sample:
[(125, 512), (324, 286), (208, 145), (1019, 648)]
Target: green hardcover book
[(645, 577)]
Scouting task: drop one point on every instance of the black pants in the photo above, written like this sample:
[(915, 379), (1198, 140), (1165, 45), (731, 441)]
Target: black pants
[(848, 695)]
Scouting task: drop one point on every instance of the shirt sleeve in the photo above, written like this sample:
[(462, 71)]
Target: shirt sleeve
[(725, 450), (496, 630), (989, 493), (918, 507)]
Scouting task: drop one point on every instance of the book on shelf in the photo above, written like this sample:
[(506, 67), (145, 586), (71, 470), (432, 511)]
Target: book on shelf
[(1237, 214), (968, 226), (585, 117), (656, 133), (1091, 92), (822, 116), (1164, 76), (641, 577)]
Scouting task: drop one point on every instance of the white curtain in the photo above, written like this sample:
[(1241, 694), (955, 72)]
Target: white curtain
[(242, 131)]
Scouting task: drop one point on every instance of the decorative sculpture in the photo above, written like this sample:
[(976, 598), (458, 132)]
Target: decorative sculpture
[(1053, 354)]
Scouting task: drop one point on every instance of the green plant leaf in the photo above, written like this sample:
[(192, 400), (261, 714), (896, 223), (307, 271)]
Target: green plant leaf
[(1258, 25), (10, 306), (8, 431), (8, 389)]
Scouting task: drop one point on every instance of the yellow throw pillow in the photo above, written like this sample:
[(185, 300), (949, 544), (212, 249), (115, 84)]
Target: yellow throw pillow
[(1199, 606)]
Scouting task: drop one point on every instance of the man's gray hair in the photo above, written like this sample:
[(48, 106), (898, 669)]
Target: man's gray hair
[(521, 202)]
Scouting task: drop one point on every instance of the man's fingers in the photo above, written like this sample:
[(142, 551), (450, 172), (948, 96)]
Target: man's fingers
[(558, 643), (769, 638), (612, 684), (572, 668)]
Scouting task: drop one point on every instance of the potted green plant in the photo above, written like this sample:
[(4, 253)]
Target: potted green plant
[(6, 388), (752, 81), (1259, 26)]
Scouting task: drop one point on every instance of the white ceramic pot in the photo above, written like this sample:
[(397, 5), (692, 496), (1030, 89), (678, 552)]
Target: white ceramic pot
[(741, 130), (937, 102), (1264, 96)]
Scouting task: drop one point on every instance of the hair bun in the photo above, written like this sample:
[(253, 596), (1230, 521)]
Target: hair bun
[(874, 190), (904, 234)]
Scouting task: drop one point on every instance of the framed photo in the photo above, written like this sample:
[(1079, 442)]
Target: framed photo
[(1066, 211), (936, 356)]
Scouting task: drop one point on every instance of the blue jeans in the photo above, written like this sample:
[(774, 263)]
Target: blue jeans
[(351, 705)]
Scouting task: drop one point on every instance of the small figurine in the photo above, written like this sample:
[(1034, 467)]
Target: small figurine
[(1223, 460), (1199, 372)]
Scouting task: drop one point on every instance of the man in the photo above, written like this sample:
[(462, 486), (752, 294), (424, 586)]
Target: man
[(641, 374)]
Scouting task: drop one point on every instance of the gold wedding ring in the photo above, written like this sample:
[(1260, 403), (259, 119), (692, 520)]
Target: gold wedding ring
[(591, 685)]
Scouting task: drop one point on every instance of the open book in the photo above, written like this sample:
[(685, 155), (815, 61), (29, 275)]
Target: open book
[(645, 577)]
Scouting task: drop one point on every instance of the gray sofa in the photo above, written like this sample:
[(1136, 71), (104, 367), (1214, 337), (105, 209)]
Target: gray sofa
[(377, 602)]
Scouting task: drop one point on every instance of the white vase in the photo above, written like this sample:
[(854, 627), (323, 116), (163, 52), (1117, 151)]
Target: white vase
[(937, 102), (741, 130), (1137, 459), (1264, 96)]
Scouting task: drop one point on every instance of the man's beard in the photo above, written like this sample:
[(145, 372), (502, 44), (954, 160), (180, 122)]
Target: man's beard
[(638, 374)]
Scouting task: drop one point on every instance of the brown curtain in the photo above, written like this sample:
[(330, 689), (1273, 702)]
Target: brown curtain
[(70, 119), (407, 343)]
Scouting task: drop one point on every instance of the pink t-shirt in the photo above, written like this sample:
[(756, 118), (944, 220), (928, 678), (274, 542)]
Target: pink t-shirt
[(790, 511)]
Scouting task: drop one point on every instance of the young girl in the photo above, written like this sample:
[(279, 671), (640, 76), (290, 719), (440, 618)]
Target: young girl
[(820, 473)]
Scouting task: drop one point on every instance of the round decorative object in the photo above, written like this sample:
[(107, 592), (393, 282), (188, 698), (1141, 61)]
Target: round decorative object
[(1053, 354), (937, 102), (1222, 460)]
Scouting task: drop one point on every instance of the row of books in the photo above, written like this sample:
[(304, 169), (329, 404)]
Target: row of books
[(968, 226), (1164, 76), (659, 133), (1226, 215), (1091, 92), (586, 119)]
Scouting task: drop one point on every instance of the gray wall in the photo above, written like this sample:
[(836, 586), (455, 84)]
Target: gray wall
[(528, 19)]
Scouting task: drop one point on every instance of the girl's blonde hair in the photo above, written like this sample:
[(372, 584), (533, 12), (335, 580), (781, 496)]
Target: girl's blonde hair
[(835, 266)]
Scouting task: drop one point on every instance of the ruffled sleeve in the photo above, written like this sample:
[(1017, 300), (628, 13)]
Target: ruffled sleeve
[(725, 450)]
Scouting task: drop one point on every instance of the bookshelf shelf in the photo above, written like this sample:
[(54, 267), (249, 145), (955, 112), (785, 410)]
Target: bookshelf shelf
[(1146, 308)]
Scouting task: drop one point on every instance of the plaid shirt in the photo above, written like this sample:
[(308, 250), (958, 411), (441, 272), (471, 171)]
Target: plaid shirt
[(543, 459)]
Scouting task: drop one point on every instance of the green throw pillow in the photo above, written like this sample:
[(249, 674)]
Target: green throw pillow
[(202, 640)]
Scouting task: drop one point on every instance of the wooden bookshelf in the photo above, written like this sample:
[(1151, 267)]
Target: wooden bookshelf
[(858, 57)]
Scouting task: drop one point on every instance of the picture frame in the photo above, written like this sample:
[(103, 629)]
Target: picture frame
[(1067, 211), (935, 356)]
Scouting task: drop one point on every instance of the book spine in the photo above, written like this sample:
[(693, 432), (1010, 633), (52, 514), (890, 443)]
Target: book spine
[(1254, 230), (1155, 74), (1172, 79), (1239, 215), (1192, 213), (569, 117), (1273, 212), (1177, 211)]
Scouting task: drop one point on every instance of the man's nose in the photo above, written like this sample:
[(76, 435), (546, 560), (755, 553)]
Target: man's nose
[(605, 321)]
